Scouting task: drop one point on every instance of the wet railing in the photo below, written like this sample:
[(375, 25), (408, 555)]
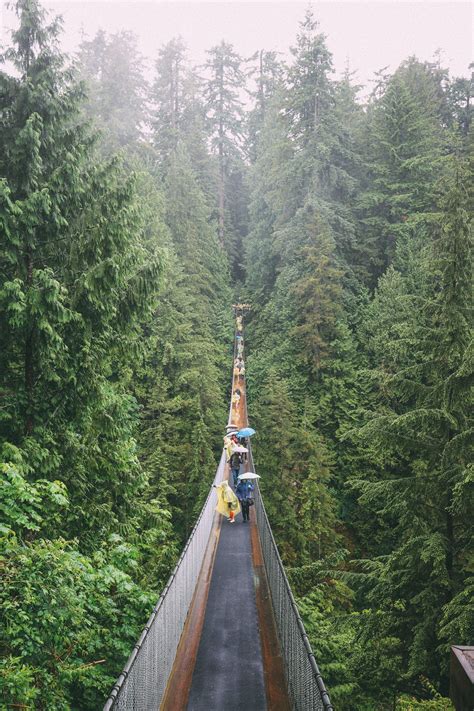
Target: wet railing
[(142, 683), (305, 684), (304, 681)]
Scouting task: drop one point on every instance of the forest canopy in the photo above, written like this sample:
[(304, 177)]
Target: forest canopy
[(132, 214)]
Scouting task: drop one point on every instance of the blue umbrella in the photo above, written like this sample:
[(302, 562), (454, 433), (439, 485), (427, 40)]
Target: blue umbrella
[(246, 432)]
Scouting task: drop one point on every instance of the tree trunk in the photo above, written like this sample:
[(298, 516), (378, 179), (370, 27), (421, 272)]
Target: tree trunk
[(221, 195), (261, 88), (221, 156)]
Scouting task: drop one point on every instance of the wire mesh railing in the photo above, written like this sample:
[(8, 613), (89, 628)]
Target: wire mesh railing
[(142, 683), (305, 684), (304, 681)]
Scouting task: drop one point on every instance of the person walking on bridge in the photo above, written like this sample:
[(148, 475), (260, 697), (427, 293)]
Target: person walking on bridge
[(236, 399), (244, 494), (228, 447), (235, 462), (227, 502)]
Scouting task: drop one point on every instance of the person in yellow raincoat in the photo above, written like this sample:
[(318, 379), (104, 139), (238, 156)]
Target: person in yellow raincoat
[(228, 447), (227, 502)]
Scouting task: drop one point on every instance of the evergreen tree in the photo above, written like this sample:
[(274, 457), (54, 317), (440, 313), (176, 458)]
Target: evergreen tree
[(268, 77), (405, 149), (460, 94), (185, 370), (78, 277), (168, 94), (178, 117), (225, 118), (113, 71), (318, 293), (423, 432), (270, 204)]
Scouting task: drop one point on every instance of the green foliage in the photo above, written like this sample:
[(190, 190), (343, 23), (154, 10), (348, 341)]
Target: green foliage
[(343, 202), (116, 90), (348, 228), (404, 144), (68, 620)]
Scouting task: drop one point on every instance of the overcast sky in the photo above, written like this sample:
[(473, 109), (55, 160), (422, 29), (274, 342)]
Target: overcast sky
[(370, 35)]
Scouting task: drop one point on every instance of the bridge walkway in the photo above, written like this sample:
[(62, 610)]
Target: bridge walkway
[(226, 632), (236, 663)]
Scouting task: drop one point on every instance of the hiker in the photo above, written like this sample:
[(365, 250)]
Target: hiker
[(244, 491), (236, 398), (227, 502), (228, 447), (243, 442), (235, 462), (242, 370)]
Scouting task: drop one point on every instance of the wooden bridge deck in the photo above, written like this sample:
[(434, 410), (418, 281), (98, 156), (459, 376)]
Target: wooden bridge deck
[(229, 656)]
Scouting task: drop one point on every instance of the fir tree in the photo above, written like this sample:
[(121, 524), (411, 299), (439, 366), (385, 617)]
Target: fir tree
[(405, 149), (225, 117), (424, 433)]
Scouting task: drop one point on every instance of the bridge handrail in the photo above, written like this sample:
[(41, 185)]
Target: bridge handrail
[(142, 683), (304, 681)]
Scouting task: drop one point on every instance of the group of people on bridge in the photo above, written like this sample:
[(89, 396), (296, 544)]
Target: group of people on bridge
[(230, 501), (238, 497)]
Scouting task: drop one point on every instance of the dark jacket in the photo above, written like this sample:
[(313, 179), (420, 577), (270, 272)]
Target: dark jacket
[(244, 490), (235, 460)]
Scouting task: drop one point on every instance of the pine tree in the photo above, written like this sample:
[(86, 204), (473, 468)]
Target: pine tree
[(271, 203), (168, 95), (405, 148), (318, 292), (113, 71), (225, 115), (460, 94), (76, 279), (268, 77), (185, 370), (178, 117), (423, 432)]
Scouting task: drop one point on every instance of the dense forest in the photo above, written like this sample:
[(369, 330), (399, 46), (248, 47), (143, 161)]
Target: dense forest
[(132, 214)]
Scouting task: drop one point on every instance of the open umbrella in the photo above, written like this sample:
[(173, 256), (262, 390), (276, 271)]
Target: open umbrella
[(246, 432), (248, 475), (240, 450)]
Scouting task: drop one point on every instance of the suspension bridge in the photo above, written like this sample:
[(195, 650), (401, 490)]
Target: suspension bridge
[(226, 632)]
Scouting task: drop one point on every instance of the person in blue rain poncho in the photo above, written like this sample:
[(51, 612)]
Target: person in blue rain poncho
[(244, 493)]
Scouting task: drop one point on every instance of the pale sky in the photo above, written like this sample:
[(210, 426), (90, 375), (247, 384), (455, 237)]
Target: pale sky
[(370, 35)]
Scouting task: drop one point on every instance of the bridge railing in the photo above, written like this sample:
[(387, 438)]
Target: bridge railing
[(305, 684), (304, 681), (142, 683)]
